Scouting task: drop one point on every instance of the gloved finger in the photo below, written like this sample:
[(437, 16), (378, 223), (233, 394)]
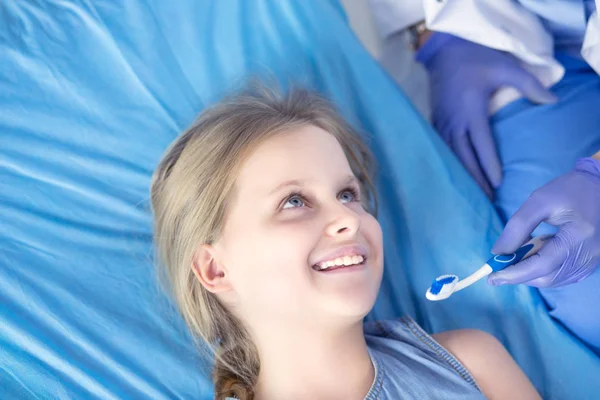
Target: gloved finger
[(546, 262), (449, 130), (543, 281), (461, 145), (519, 227), (483, 142), (557, 278), (531, 87), (444, 128), (578, 262)]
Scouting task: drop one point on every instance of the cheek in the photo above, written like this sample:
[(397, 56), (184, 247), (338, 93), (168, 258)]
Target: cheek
[(271, 259), (374, 235), (376, 231)]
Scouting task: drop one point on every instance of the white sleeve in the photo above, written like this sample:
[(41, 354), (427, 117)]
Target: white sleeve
[(591, 44), (503, 25), (392, 16)]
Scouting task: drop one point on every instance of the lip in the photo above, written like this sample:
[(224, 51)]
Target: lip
[(350, 250)]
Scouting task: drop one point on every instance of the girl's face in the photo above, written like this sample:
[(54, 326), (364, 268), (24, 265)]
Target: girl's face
[(297, 209)]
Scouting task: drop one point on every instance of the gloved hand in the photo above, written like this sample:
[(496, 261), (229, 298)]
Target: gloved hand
[(463, 77), (572, 202)]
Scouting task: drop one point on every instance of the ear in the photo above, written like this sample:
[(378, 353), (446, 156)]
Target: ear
[(211, 274)]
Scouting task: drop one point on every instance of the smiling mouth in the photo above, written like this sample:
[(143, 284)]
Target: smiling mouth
[(340, 262)]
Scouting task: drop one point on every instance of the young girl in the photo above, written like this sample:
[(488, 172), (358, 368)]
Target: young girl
[(263, 227)]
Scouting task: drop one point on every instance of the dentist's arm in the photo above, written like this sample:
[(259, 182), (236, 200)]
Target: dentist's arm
[(469, 66), (463, 78), (393, 16)]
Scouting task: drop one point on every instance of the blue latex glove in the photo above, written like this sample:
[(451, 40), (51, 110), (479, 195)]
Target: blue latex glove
[(463, 77), (572, 202)]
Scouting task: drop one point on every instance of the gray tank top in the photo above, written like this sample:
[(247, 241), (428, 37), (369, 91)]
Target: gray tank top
[(410, 364)]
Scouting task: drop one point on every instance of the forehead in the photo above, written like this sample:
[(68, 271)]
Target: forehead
[(303, 153)]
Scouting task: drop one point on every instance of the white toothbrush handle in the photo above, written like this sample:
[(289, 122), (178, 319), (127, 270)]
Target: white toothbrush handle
[(474, 277)]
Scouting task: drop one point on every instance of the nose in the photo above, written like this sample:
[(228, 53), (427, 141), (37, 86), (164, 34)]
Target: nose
[(343, 221)]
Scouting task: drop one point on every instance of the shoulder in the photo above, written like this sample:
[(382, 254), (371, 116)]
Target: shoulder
[(469, 344), (489, 363)]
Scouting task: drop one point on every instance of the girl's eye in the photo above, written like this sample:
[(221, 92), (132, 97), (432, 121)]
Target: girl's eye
[(348, 195), (294, 201), (297, 200)]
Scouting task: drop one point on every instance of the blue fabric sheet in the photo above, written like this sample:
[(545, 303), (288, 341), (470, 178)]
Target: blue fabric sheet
[(91, 93)]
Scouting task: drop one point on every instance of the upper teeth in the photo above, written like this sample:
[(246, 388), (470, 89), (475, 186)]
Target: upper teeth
[(346, 260)]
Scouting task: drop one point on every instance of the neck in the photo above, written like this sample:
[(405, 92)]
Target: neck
[(313, 363)]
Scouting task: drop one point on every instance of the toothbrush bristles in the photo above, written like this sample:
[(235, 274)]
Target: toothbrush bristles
[(438, 284), (436, 287)]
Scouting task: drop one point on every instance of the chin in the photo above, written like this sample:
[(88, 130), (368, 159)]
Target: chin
[(350, 297), (355, 305)]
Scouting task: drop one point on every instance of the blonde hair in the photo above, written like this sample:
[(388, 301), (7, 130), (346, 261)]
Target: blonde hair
[(189, 193)]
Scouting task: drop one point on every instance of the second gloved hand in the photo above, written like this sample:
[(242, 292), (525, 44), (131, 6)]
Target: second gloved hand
[(571, 202), (463, 77)]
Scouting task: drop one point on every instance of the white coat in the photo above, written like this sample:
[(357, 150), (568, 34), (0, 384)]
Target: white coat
[(508, 25)]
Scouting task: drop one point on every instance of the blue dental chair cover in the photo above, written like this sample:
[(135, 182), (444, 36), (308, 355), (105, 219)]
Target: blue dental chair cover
[(91, 93)]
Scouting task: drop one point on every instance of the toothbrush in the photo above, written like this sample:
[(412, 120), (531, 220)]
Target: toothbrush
[(443, 286)]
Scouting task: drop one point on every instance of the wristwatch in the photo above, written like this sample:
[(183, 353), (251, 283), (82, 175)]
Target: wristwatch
[(414, 33)]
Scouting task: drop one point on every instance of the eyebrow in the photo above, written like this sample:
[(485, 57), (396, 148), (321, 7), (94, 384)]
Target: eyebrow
[(296, 182)]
